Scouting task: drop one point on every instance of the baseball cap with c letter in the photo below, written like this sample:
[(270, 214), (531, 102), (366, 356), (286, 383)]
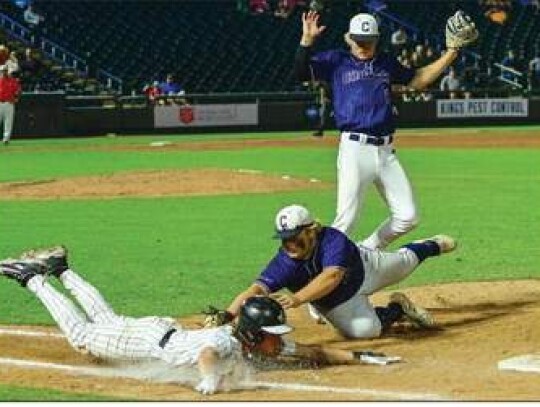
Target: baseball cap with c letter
[(364, 27), (291, 220)]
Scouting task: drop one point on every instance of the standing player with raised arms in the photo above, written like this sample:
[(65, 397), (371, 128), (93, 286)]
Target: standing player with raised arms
[(361, 86)]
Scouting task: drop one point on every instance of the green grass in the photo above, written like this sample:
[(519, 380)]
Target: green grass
[(175, 255), (16, 393)]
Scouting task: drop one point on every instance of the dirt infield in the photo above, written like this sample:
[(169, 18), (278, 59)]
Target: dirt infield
[(157, 183), (479, 323)]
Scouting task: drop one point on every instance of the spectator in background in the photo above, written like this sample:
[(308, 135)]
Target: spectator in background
[(242, 6), (323, 104), (33, 20), (21, 3), (10, 90), (258, 6), (4, 54), (533, 4), (430, 55), (509, 61), (415, 60), (31, 70), (534, 73), (152, 92), (172, 88), (284, 8), (12, 63), (421, 54), (31, 17), (450, 83), (470, 79), (399, 40)]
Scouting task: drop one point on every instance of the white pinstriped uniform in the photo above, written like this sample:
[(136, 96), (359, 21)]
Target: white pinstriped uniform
[(107, 335)]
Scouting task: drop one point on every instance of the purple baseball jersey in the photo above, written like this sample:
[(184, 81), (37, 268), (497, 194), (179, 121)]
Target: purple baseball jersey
[(333, 249), (361, 89)]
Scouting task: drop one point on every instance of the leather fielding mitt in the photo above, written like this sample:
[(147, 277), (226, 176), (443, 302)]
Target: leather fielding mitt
[(215, 317), (460, 31)]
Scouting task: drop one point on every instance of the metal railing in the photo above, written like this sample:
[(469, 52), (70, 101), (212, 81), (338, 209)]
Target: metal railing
[(57, 53), (510, 75)]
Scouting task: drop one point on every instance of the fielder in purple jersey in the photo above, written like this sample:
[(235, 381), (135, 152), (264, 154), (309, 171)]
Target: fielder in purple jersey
[(361, 81), (322, 267)]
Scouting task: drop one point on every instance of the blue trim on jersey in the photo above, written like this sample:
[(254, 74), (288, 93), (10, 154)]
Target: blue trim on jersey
[(333, 249), (361, 89)]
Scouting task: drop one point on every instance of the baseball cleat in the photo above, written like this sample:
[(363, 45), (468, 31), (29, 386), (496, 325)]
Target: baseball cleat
[(417, 315), (21, 270), (55, 259), (446, 243)]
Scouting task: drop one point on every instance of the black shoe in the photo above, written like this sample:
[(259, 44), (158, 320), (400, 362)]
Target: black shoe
[(21, 270), (6, 142), (318, 133), (54, 258)]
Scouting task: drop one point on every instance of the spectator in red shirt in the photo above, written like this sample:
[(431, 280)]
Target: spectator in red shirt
[(10, 90), (152, 92)]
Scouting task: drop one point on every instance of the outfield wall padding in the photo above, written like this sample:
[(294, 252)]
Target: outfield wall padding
[(54, 115)]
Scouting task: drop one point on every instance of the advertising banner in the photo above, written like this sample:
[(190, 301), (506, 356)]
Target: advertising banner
[(242, 114), (508, 107)]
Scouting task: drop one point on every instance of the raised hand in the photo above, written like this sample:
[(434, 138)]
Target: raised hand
[(310, 27)]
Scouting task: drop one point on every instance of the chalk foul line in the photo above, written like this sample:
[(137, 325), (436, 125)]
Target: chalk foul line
[(126, 373)]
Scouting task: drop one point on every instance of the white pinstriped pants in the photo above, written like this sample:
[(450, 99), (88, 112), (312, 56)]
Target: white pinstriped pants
[(7, 112), (100, 332)]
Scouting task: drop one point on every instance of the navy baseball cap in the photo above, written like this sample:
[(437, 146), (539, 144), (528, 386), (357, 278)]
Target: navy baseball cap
[(291, 220), (364, 27)]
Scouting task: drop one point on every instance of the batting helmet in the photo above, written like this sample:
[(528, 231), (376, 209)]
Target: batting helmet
[(258, 315)]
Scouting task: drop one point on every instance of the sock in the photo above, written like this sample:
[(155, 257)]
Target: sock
[(423, 250), (389, 314)]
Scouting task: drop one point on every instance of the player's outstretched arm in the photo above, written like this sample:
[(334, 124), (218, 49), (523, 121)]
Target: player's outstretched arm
[(333, 356), (428, 74), (253, 290), (207, 365), (320, 286), (460, 32)]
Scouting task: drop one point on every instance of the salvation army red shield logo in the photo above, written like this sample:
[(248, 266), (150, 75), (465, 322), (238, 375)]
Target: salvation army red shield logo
[(186, 115)]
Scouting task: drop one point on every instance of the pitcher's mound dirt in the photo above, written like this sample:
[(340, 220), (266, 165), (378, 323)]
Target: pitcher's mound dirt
[(479, 324), (189, 182)]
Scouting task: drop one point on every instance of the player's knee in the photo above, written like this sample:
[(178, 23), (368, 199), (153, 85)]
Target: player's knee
[(77, 336), (362, 328), (406, 223)]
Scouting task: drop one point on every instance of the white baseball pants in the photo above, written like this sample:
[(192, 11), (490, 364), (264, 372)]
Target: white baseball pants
[(358, 166), (356, 318), (7, 112)]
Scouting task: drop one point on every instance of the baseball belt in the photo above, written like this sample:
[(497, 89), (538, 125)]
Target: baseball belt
[(367, 139), (166, 337)]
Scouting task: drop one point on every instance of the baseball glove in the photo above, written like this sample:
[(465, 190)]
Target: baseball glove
[(216, 317), (460, 31)]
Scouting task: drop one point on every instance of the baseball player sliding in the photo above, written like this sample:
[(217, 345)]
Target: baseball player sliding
[(217, 352), (321, 266), (361, 82)]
